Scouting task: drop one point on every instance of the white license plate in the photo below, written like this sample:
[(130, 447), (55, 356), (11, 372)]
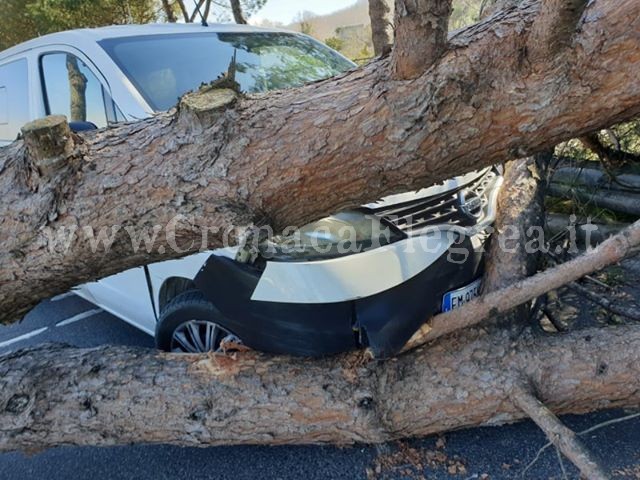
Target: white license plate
[(457, 298)]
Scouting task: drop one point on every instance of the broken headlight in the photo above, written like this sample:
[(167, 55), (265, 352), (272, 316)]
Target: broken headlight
[(344, 233)]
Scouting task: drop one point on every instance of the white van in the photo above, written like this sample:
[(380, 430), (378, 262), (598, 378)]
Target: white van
[(303, 301)]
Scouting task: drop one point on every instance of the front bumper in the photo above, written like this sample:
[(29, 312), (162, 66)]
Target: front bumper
[(375, 299), (382, 322)]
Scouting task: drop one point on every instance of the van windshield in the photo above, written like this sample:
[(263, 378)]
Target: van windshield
[(165, 67)]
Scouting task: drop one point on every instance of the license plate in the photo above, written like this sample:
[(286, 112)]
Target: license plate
[(457, 298)]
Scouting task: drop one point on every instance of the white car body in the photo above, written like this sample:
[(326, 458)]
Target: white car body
[(136, 294)]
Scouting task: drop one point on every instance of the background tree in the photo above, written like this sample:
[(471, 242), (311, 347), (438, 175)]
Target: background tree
[(379, 14), (223, 10), (24, 20)]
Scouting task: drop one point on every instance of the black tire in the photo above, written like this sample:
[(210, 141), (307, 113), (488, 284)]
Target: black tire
[(186, 307)]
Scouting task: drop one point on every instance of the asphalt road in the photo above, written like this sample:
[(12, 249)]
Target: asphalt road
[(482, 453)]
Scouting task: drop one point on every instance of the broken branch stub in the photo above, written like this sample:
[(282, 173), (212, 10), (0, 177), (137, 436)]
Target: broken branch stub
[(49, 143), (205, 105), (554, 27), (421, 30)]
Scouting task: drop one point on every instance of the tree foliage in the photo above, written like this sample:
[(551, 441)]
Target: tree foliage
[(24, 20)]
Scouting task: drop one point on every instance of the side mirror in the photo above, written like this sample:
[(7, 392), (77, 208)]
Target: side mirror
[(82, 126)]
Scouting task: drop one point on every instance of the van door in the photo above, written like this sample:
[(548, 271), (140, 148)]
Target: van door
[(72, 89)]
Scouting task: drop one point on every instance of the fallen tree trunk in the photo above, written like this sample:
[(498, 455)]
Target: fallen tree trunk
[(292, 156), (585, 233), (622, 202), (289, 157), (595, 177), (53, 396)]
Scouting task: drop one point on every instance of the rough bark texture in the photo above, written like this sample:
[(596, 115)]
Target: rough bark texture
[(420, 38), (379, 13), (520, 208), (292, 156), (236, 8), (59, 396), (556, 24), (289, 157)]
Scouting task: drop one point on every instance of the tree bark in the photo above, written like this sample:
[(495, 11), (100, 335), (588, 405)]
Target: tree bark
[(610, 199), (280, 159), (520, 212), (520, 208), (289, 157), (554, 28), (420, 38), (236, 8), (379, 13), (53, 396)]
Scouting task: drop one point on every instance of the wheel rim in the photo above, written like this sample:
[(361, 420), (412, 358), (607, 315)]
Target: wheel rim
[(198, 336)]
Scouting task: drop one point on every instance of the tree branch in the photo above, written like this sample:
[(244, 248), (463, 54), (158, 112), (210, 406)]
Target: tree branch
[(613, 157), (499, 302), (207, 9), (168, 11), (421, 28), (554, 27), (196, 10), (561, 436), (183, 9), (236, 8), (55, 395)]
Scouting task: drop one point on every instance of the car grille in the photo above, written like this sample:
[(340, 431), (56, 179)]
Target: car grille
[(462, 207)]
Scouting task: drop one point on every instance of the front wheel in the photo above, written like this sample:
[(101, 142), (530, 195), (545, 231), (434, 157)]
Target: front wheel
[(190, 324)]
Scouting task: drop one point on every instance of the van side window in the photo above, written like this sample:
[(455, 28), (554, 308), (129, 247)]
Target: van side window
[(71, 89), (14, 98)]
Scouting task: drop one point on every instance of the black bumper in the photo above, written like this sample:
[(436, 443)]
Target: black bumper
[(382, 322)]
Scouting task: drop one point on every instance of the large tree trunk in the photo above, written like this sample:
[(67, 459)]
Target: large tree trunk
[(54, 396), (293, 156), (223, 159)]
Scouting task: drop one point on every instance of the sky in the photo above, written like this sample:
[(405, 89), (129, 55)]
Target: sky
[(286, 11)]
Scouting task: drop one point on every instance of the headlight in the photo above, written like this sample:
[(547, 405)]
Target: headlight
[(341, 234)]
